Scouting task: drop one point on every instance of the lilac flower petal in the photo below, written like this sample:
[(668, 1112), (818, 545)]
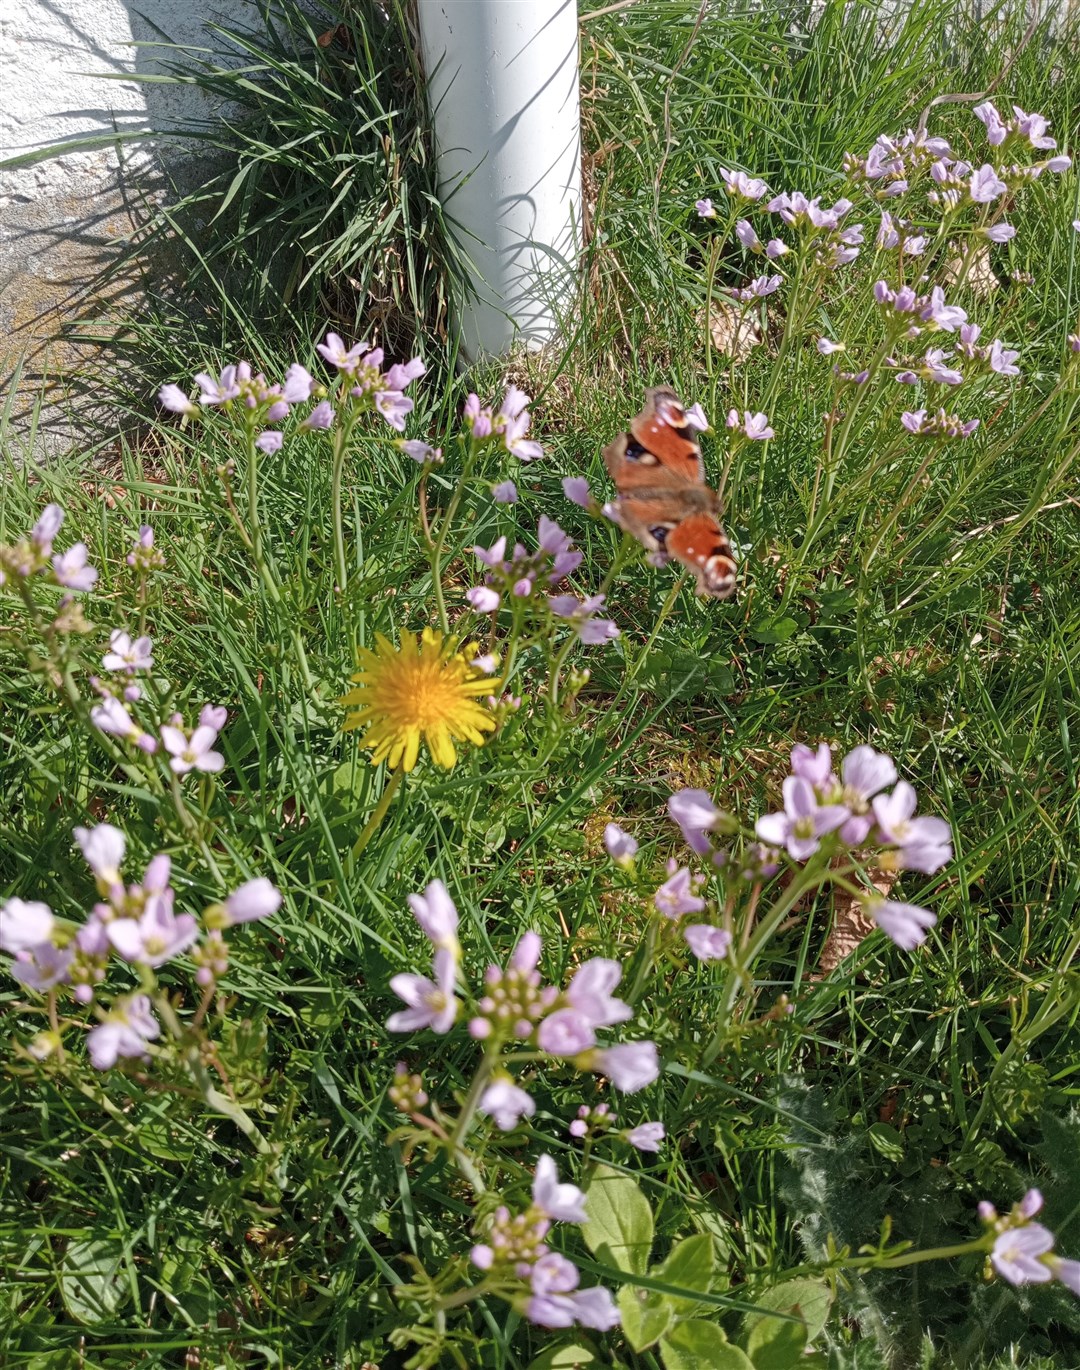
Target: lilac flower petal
[(253, 900), (904, 924)]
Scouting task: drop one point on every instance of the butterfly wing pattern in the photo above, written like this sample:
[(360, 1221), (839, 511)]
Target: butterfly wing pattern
[(663, 499)]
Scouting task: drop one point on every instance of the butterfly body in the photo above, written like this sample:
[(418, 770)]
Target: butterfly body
[(663, 499)]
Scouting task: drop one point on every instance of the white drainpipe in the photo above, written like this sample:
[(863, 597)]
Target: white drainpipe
[(503, 89)]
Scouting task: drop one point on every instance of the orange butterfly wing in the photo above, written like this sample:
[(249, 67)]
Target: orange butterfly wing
[(663, 499)]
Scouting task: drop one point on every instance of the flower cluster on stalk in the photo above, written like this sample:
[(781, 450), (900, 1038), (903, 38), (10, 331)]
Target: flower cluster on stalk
[(33, 556), (526, 579), (516, 1009), (507, 425), (134, 922), (854, 812), (540, 1282), (264, 405)]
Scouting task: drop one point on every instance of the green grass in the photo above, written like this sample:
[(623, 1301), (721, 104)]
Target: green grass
[(954, 647)]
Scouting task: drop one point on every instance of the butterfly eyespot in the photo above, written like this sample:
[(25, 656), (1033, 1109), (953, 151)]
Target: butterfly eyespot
[(660, 533), (635, 452)]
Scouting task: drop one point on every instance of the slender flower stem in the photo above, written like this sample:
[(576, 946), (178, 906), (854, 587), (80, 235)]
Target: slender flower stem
[(69, 691), (212, 1097), (267, 574), (878, 1261), (378, 814), (468, 1111), (444, 528), (254, 525), (341, 442), (556, 669), (421, 497), (204, 1004), (740, 975)]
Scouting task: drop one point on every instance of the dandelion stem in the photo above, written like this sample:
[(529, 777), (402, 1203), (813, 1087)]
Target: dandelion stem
[(378, 814)]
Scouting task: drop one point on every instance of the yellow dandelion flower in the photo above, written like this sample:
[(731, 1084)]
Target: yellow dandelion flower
[(423, 690)]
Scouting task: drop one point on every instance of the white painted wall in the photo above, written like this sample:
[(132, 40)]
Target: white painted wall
[(63, 65)]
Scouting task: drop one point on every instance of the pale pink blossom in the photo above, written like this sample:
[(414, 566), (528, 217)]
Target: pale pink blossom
[(506, 1103), (630, 1066), (706, 942), (319, 419), (127, 654), (646, 1136), (576, 490), (43, 967), (299, 384), (253, 900), (171, 397), (803, 822), (103, 850), (678, 894), (72, 569), (621, 847), (428, 1003), (904, 924), (434, 910), (156, 936), (128, 1027), (194, 752), (24, 924), (564, 1203), (335, 352)]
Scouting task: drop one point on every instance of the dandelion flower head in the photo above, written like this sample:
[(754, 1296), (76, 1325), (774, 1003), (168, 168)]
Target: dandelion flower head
[(424, 690)]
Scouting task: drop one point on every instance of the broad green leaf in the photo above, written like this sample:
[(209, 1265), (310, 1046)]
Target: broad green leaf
[(887, 1141), (646, 1315), (690, 1265), (806, 1299), (776, 1343), (91, 1282), (773, 630), (700, 1345), (620, 1225), (574, 1357)]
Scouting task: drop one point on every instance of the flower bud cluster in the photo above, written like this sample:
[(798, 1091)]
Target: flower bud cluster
[(523, 577), (260, 402), (406, 1091), (543, 1283)]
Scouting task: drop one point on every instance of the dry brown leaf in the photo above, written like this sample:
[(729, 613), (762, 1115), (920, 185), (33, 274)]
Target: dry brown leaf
[(734, 334), (851, 926), (979, 277)]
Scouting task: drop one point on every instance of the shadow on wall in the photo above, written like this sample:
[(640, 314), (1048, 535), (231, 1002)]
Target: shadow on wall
[(69, 224)]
